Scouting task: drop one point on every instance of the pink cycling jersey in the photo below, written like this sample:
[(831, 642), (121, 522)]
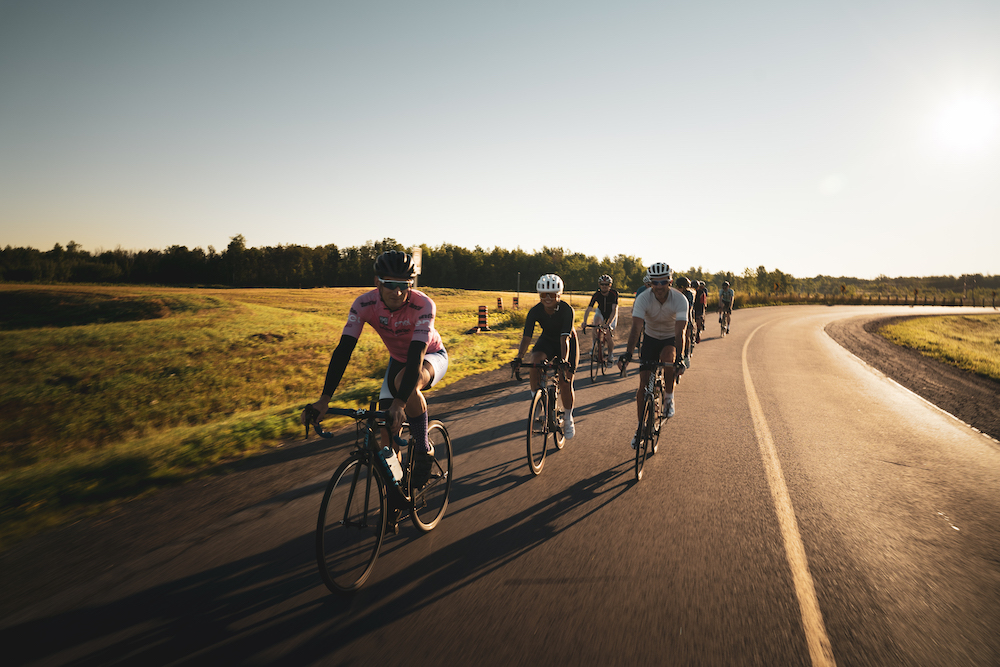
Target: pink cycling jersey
[(413, 322)]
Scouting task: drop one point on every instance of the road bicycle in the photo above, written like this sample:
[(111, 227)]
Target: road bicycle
[(598, 354), (647, 434), (366, 497), (545, 416), (724, 319)]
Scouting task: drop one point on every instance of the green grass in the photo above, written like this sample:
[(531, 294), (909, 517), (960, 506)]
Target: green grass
[(109, 393), (969, 342)]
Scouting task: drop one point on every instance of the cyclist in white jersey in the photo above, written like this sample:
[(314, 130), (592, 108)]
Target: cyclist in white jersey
[(404, 319), (661, 314)]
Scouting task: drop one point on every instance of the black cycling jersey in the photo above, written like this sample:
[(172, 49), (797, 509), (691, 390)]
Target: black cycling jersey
[(559, 323), (604, 302)]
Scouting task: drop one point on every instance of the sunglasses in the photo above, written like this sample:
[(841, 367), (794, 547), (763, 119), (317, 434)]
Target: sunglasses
[(659, 283), (401, 285)]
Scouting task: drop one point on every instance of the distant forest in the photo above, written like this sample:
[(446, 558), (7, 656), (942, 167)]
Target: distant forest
[(442, 266)]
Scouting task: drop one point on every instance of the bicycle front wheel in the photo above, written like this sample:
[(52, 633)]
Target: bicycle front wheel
[(431, 500), (596, 359), (351, 526), (646, 436), (538, 431)]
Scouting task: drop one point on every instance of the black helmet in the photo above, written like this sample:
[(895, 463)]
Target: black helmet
[(683, 282), (394, 264)]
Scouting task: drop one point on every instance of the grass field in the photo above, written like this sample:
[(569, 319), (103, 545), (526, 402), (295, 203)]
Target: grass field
[(970, 342), (109, 393)]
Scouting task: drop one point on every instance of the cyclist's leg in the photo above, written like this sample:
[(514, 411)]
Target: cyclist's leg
[(667, 355), (566, 377)]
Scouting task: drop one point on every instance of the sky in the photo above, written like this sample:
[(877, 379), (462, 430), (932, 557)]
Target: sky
[(850, 138)]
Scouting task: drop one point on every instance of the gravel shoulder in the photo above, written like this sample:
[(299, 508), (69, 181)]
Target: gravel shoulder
[(972, 398)]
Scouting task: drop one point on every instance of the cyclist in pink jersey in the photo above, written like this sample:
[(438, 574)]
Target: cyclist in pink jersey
[(404, 319)]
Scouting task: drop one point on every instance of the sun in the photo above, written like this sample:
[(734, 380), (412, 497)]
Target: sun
[(968, 123)]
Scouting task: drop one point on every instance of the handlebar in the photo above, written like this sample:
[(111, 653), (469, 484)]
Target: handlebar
[(363, 414), (552, 365), (677, 365)]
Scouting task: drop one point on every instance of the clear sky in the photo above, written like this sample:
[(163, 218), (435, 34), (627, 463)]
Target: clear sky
[(857, 137)]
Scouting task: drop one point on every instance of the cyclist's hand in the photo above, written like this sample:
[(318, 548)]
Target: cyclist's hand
[(311, 414), (679, 367), (623, 362), (397, 414), (516, 363)]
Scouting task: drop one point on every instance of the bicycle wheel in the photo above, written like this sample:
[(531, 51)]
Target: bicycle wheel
[(351, 526), (556, 428), (604, 357), (538, 431), (431, 500), (645, 436), (596, 358), (661, 399)]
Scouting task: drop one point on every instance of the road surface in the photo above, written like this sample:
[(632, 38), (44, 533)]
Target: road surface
[(803, 509)]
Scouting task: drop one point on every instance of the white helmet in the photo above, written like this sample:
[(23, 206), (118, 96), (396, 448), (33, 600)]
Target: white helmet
[(645, 278), (550, 282), (660, 271)]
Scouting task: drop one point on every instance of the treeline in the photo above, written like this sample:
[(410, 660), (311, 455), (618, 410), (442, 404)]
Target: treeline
[(446, 265)]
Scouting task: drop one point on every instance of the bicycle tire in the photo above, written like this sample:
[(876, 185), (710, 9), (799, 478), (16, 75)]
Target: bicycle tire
[(558, 437), (596, 357), (428, 503), (351, 525), (538, 432), (645, 436), (661, 399)]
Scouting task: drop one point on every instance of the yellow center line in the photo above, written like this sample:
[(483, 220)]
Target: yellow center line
[(812, 618)]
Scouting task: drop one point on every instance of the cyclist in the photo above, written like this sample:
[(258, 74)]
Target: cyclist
[(726, 296), (700, 302), (645, 284), (557, 341), (684, 286), (661, 312), (606, 299), (404, 319)]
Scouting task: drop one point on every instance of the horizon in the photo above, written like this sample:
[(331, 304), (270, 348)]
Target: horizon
[(858, 139)]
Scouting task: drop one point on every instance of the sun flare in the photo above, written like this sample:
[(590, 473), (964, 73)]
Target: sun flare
[(968, 123)]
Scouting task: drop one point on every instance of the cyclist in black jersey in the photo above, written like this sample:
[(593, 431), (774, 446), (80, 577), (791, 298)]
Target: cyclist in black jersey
[(557, 340), (606, 300)]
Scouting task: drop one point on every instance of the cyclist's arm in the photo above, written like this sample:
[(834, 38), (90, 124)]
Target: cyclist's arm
[(586, 314), (334, 373), (680, 333), (411, 373), (614, 312)]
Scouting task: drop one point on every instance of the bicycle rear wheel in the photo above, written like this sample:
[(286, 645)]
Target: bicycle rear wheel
[(351, 526), (646, 436), (431, 500), (538, 431)]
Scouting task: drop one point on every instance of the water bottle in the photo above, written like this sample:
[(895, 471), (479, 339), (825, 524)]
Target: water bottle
[(391, 462)]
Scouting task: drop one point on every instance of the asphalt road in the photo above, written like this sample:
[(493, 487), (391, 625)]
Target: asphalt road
[(803, 509)]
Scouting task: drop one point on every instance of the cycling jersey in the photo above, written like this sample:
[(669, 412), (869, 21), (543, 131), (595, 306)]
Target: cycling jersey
[(726, 297), (700, 301), (559, 323), (604, 302), (659, 318), (413, 322)]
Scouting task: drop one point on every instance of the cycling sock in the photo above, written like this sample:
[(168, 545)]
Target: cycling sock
[(418, 429)]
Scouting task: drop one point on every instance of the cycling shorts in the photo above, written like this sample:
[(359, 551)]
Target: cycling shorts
[(551, 350), (651, 349), (438, 361)]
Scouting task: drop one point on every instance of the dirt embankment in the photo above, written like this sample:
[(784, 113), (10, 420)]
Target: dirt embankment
[(972, 398)]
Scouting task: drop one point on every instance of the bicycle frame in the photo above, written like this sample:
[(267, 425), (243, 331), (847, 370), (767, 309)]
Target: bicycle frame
[(537, 436)]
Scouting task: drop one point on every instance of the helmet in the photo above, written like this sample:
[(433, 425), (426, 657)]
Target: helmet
[(605, 279), (550, 282), (701, 283), (394, 264), (725, 284), (683, 282), (660, 270), (645, 277)]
